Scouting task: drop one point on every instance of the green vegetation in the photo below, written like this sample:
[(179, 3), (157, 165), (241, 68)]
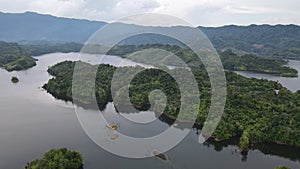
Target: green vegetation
[(12, 57), (253, 63), (17, 57), (254, 112), (61, 86), (244, 141), (230, 60), (58, 159), (40, 48), (280, 41), (282, 167), (14, 79)]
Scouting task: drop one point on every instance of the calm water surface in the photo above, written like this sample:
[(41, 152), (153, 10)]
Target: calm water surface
[(32, 122), (292, 84)]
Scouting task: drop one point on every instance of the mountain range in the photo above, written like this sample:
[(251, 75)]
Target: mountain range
[(264, 40), (32, 26)]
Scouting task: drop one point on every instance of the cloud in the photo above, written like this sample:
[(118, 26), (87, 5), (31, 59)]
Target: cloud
[(104, 10), (224, 12), (198, 12), (91, 9)]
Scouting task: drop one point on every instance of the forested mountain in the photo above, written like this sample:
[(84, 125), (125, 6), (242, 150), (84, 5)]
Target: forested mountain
[(31, 26), (264, 40)]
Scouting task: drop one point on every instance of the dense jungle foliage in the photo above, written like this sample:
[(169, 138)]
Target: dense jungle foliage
[(253, 63), (58, 159), (17, 57), (256, 111), (230, 60), (13, 57), (280, 41)]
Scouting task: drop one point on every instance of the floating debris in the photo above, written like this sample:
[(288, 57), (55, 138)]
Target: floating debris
[(114, 136), (112, 126), (160, 155)]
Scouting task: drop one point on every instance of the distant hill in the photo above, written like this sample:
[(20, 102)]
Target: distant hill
[(264, 40), (13, 57), (31, 26), (281, 41)]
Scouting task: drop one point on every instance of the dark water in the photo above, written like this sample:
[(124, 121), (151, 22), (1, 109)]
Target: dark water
[(32, 122)]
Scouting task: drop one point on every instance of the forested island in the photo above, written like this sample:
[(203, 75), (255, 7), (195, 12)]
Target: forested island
[(17, 57), (13, 57), (256, 111), (230, 60), (14, 79), (66, 159), (252, 63), (58, 159)]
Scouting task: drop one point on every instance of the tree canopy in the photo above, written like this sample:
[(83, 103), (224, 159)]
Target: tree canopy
[(58, 159), (254, 112), (12, 57), (282, 167)]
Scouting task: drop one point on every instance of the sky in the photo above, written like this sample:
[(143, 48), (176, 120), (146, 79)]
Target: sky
[(196, 12)]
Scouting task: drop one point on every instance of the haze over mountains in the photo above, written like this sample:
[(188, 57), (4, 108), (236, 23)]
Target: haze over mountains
[(264, 40), (31, 26)]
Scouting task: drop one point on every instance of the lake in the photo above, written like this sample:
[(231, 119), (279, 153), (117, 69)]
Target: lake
[(32, 122), (293, 84)]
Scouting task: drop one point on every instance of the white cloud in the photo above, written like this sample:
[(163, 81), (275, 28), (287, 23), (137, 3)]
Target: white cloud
[(198, 12)]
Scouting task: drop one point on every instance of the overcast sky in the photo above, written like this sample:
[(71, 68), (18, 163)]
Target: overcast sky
[(197, 12)]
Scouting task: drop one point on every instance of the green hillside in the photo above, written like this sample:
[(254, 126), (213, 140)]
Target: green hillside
[(264, 40), (13, 57)]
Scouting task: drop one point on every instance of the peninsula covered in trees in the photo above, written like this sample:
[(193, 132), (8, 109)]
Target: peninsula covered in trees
[(250, 62), (256, 110), (13, 57), (230, 60)]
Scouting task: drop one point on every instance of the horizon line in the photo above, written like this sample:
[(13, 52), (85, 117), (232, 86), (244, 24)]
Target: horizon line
[(106, 22)]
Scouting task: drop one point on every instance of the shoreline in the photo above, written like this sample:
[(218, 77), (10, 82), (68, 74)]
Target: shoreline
[(170, 120)]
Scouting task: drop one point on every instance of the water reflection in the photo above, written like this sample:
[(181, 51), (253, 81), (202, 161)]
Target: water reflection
[(32, 122)]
